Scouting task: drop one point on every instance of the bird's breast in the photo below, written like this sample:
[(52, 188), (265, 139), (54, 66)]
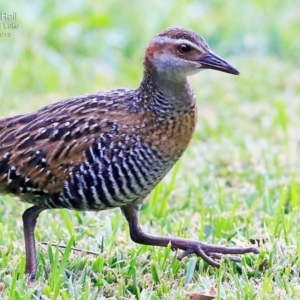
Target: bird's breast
[(173, 134)]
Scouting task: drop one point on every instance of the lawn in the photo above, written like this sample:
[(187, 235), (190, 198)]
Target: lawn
[(238, 182)]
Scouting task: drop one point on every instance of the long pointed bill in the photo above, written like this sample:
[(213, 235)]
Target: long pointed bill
[(215, 62)]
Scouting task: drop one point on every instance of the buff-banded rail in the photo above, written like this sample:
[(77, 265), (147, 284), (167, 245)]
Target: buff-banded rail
[(111, 148)]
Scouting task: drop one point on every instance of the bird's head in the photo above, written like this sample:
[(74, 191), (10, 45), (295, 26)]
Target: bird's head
[(176, 53)]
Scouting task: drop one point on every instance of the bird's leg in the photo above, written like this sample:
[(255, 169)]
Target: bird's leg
[(206, 251), (29, 220)]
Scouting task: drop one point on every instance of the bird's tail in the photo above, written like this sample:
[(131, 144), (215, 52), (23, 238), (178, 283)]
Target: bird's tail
[(6, 122), (2, 126), (5, 129), (4, 153), (3, 162)]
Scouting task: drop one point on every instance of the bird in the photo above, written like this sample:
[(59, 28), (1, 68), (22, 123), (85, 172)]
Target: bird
[(109, 149)]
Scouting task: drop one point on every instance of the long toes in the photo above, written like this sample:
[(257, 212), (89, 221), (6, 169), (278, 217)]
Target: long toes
[(220, 256), (209, 252), (235, 258), (229, 250), (185, 253), (199, 252)]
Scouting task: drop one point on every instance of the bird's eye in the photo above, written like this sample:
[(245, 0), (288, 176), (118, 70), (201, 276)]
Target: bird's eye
[(184, 48)]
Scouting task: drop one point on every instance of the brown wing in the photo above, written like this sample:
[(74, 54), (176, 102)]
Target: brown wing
[(38, 150)]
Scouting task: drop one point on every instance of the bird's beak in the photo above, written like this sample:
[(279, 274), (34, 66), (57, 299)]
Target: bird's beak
[(213, 61)]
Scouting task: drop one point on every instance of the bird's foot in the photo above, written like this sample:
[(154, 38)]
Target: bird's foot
[(210, 252)]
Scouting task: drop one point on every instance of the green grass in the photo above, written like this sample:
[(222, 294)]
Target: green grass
[(238, 181)]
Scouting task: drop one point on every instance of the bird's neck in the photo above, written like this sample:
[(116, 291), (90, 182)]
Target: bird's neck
[(165, 96)]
